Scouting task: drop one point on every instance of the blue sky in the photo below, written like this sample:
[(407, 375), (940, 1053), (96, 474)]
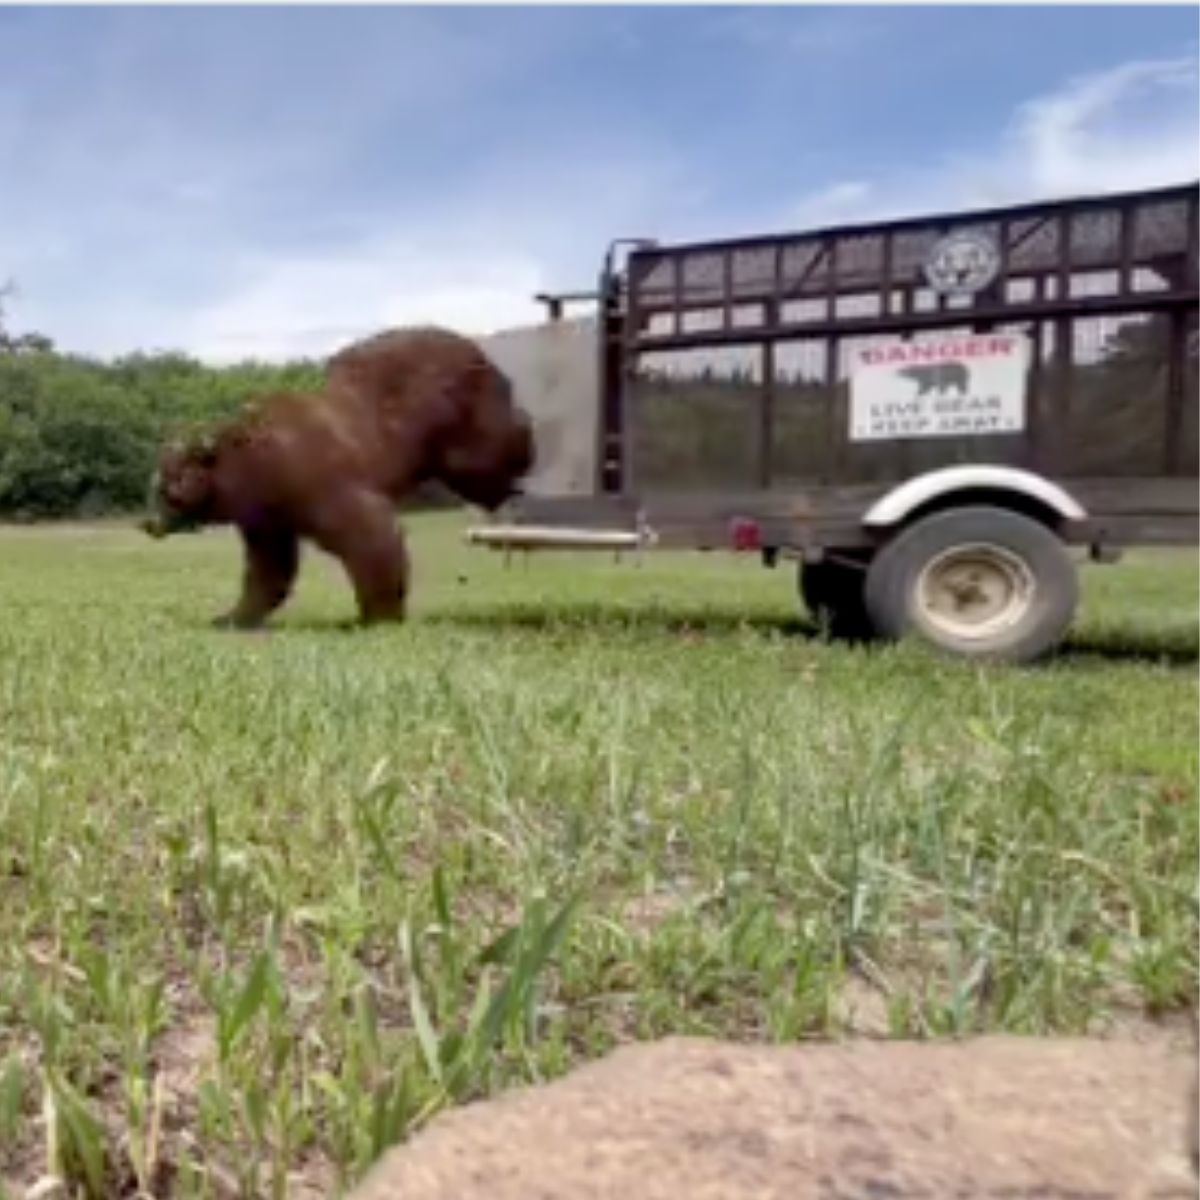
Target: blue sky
[(269, 181)]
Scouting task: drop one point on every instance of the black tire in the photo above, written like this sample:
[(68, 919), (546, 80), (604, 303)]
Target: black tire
[(832, 591), (1000, 557)]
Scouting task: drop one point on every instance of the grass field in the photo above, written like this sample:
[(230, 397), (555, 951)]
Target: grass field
[(269, 901)]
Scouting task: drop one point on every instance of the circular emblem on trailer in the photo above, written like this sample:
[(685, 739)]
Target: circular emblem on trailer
[(962, 262)]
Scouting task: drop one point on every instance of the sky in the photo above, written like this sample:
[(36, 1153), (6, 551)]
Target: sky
[(275, 181)]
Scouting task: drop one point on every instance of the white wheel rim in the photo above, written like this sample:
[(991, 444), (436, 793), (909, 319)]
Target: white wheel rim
[(974, 592)]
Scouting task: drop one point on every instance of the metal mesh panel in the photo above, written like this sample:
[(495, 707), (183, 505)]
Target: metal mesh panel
[(805, 267), (650, 279), (910, 249), (1114, 420), (1033, 244), (753, 271), (801, 425), (858, 260), (695, 418), (1095, 237), (1160, 229), (1189, 430), (703, 277)]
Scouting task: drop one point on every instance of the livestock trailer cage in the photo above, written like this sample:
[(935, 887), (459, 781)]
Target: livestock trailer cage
[(924, 414)]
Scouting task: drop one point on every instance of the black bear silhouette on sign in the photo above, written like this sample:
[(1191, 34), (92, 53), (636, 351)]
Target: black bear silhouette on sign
[(939, 377)]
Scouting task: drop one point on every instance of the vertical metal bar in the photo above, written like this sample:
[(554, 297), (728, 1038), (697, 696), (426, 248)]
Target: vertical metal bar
[(1064, 353), (996, 293), (777, 280), (1003, 237), (834, 446), (1035, 404), (772, 314), (618, 346), (907, 289), (833, 279), (1059, 393), (1173, 425), (1125, 268), (727, 290), (1192, 256), (605, 379), (939, 298), (677, 293), (885, 274), (1064, 256), (766, 422)]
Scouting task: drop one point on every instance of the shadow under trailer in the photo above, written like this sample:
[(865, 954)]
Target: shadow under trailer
[(926, 415)]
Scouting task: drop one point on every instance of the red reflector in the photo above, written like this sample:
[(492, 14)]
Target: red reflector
[(746, 534)]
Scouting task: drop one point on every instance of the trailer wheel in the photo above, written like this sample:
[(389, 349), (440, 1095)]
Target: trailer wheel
[(981, 581), (832, 591)]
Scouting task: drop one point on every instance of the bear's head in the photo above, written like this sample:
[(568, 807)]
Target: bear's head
[(183, 488), (485, 463)]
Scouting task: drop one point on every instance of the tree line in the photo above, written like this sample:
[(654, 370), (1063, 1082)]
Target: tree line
[(79, 436)]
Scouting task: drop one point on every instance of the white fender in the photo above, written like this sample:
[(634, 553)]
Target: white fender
[(909, 496)]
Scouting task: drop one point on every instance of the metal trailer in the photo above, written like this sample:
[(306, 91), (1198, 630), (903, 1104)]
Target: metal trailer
[(925, 414)]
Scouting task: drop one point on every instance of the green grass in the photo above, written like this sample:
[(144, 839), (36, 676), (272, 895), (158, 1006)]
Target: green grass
[(269, 901)]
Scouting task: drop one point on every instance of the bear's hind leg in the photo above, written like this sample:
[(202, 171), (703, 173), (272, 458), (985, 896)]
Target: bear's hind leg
[(363, 534), (272, 561)]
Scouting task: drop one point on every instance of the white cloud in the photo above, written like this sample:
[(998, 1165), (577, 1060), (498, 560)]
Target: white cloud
[(1078, 139), (539, 222), (311, 306), (831, 204), (1129, 127)]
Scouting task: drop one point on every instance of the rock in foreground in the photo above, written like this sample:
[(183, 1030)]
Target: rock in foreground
[(687, 1119)]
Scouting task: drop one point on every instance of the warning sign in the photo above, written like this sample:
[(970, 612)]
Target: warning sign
[(960, 386)]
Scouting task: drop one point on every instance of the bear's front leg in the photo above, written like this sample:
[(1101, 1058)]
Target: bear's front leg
[(359, 528), (272, 561)]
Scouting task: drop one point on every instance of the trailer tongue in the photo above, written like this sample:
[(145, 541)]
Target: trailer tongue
[(553, 537)]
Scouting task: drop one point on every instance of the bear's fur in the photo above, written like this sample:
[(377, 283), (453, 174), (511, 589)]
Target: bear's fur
[(402, 408)]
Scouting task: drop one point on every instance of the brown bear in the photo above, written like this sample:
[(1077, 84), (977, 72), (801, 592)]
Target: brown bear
[(400, 409)]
